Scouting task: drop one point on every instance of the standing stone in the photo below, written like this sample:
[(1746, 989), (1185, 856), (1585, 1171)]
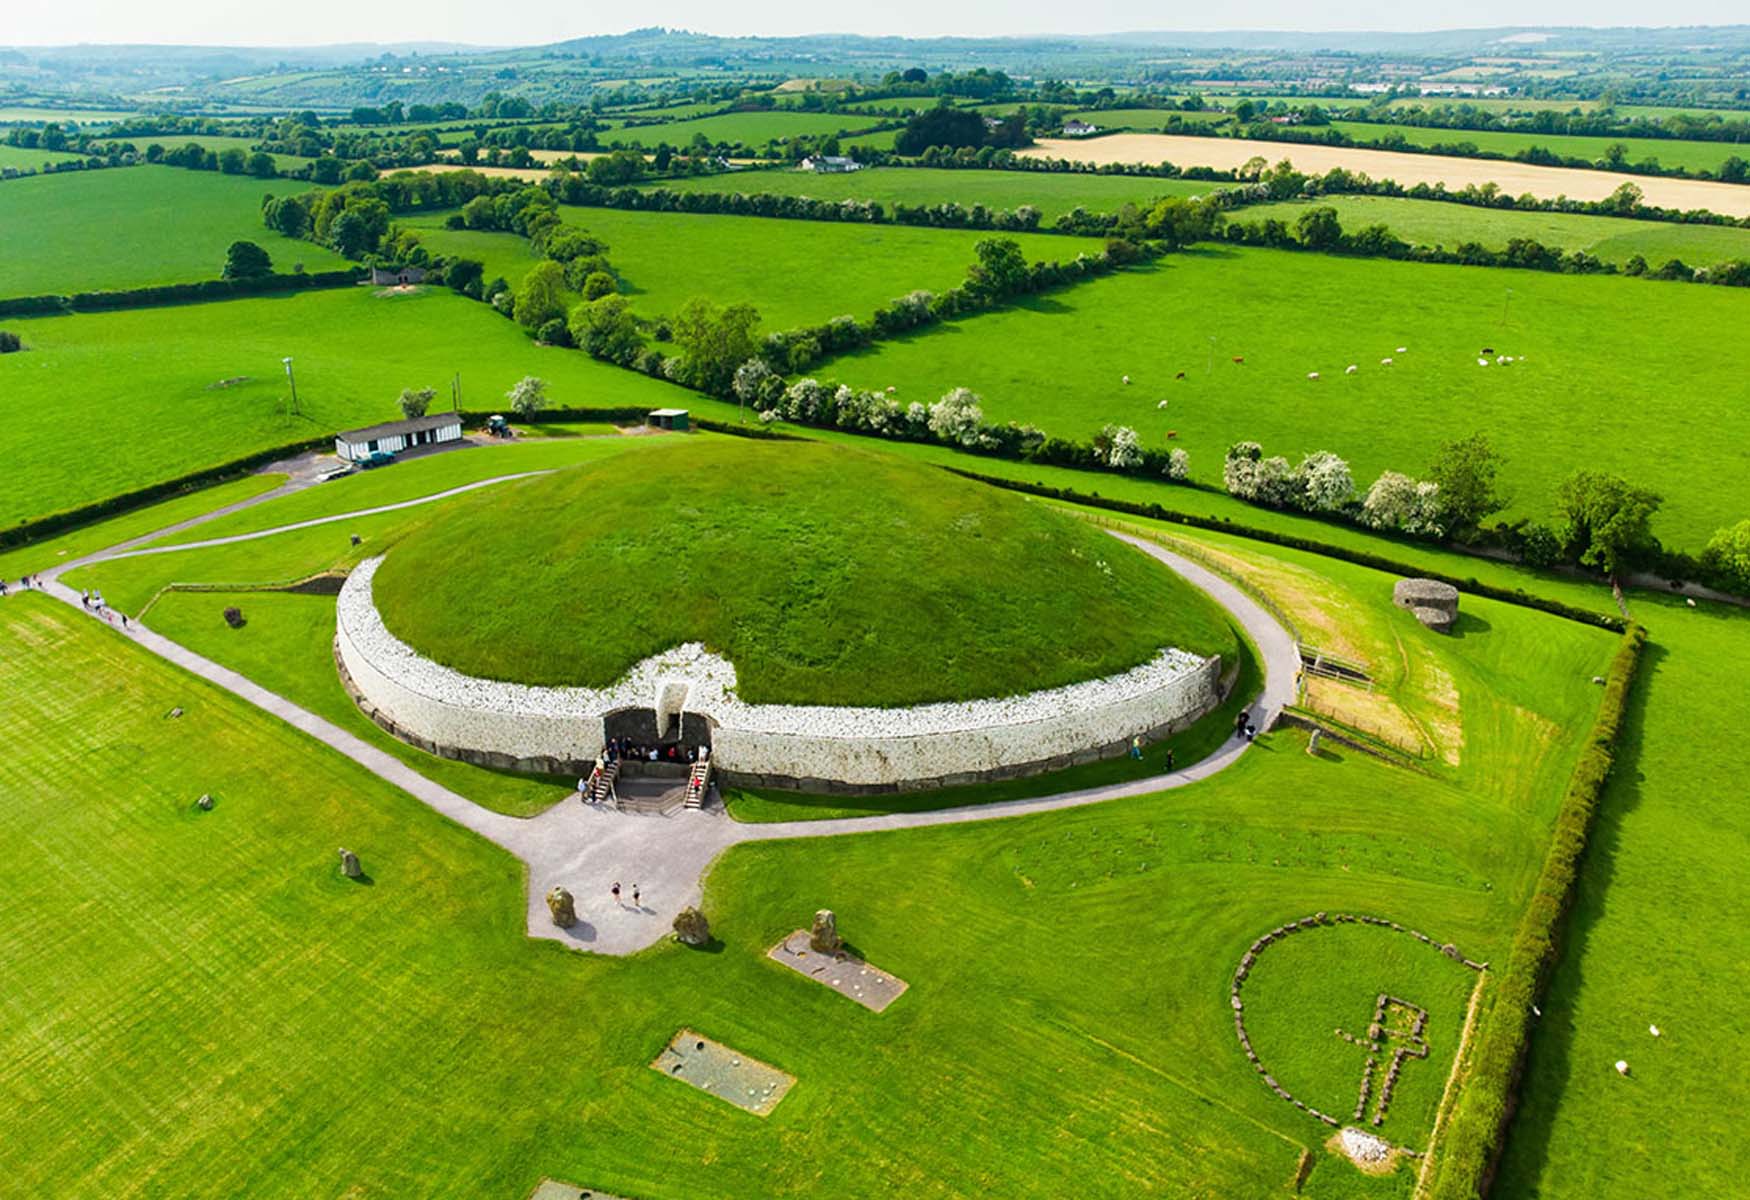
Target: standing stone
[(691, 928), (1312, 743), (349, 864), (824, 937), (563, 908)]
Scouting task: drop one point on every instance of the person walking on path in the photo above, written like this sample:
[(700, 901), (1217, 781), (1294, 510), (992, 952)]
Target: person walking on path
[(616, 891), (1170, 759), (1241, 722), (636, 902), (1136, 748)]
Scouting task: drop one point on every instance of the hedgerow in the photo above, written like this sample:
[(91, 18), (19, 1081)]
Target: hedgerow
[(1466, 1156)]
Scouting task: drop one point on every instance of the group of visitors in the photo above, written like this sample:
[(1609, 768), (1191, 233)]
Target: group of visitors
[(1243, 727), (93, 602), (625, 748), (25, 582), (637, 898)]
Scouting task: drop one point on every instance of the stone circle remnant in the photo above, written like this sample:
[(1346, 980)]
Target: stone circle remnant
[(563, 906), (1407, 1030), (823, 937), (349, 864), (1435, 604), (691, 928)]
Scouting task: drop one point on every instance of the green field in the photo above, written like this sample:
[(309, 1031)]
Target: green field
[(1442, 223), (142, 384), (750, 129), (161, 225), (1144, 120), (26, 159), (1670, 152), (805, 544), (1159, 1082), (218, 144), (1052, 194), (1058, 362), (795, 272), (1655, 939)]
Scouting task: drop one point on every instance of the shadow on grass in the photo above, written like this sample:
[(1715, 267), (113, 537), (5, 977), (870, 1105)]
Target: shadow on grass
[(1468, 623)]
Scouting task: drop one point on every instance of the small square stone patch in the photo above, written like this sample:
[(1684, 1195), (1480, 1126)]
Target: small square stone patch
[(713, 1067), (869, 986), (552, 1189)]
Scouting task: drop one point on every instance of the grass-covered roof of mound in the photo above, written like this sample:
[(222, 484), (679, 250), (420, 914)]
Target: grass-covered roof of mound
[(826, 575)]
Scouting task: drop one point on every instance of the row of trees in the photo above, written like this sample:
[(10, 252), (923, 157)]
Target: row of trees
[(1320, 229), (1601, 521)]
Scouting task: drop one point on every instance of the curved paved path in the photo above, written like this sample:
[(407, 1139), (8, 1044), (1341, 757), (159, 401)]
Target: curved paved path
[(586, 849)]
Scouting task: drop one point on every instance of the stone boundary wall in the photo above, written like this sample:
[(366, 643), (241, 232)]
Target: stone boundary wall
[(558, 730)]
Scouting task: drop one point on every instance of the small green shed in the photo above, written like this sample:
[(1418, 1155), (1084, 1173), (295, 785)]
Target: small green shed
[(668, 418)]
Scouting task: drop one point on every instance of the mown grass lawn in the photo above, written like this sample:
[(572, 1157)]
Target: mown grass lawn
[(159, 225), (143, 386), (1067, 971), (826, 575), (1053, 195), (1619, 373), (1441, 223), (39, 556)]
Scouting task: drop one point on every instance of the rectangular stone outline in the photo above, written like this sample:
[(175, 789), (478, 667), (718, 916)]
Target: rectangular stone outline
[(844, 974), (672, 1061)]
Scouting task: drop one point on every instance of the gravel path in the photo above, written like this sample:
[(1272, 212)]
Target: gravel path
[(588, 849)]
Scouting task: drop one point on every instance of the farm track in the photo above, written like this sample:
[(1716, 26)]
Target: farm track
[(585, 848)]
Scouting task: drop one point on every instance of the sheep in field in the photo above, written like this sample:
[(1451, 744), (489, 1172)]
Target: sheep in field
[(1350, 369), (1385, 362), (1239, 360), (1180, 375), (1127, 381), (1162, 404), (1403, 349), (1312, 374), (1482, 362)]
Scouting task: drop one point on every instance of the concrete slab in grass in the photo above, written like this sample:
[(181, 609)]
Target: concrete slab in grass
[(869, 986), (713, 1067), (552, 1189)]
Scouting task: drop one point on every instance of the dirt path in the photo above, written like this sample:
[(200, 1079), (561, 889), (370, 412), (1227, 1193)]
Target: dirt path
[(1514, 178)]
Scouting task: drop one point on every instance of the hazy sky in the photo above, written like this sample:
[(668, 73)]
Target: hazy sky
[(529, 22)]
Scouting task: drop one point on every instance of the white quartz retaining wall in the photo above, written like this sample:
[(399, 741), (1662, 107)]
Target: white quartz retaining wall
[(556, 728)]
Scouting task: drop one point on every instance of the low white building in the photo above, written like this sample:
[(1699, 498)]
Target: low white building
[(356, 445), (830, 164), (1073, 128)]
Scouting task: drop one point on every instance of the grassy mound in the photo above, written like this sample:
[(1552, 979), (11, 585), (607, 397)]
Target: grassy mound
[(827, 576)]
